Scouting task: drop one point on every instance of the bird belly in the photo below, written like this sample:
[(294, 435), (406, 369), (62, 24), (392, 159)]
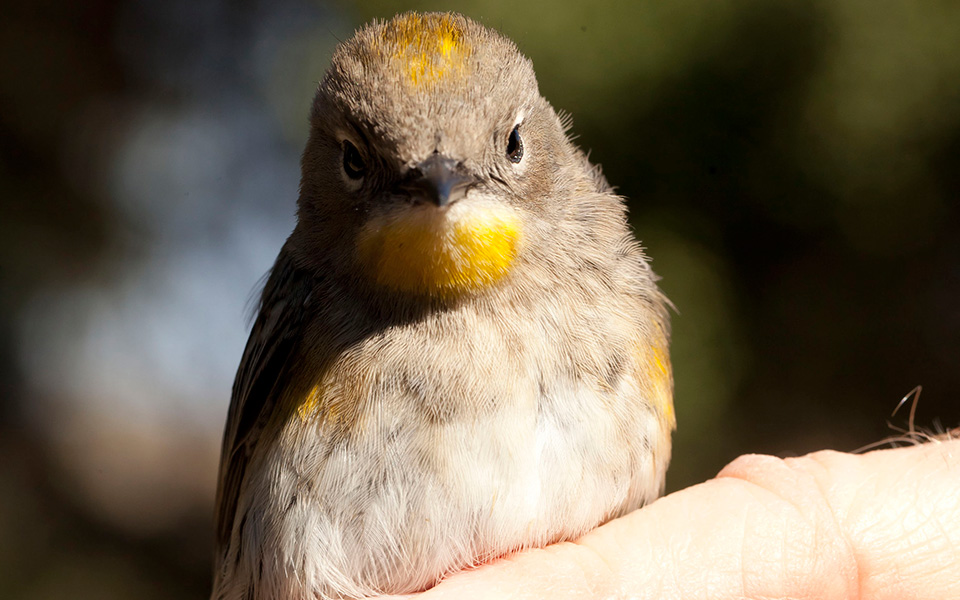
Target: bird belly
[(397, 507)]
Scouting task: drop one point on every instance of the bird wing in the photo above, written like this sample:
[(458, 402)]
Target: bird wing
[(259, 383)]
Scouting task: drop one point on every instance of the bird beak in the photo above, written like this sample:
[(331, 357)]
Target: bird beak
[(438, 179)]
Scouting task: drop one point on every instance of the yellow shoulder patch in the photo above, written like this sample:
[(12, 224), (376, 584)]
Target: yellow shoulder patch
[(429, 47)]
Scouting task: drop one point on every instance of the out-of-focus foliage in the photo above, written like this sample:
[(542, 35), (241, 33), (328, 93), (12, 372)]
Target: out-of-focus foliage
[(792, 168)]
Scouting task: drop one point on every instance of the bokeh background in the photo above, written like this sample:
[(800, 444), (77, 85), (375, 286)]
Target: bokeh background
[(792, 168)]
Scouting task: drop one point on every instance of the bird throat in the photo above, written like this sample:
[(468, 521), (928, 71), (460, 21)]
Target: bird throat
[(423, 249)]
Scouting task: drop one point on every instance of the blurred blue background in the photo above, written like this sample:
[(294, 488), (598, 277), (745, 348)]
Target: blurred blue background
[(792, 168)]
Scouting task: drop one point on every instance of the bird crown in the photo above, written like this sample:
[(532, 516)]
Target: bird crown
[(428, 48)]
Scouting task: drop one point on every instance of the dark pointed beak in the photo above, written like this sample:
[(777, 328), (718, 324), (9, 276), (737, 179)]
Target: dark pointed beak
[(439, 180)]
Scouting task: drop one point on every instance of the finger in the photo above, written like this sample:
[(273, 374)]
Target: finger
[(824, 526)]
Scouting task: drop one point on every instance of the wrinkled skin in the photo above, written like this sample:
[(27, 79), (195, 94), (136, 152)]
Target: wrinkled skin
[(830, 526)]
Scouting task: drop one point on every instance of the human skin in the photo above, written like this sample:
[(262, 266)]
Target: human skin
[(828, 525)]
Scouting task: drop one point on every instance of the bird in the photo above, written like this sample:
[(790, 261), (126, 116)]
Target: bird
[(461, 350)]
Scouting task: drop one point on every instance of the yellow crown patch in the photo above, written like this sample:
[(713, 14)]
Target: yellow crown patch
[(429, 48)]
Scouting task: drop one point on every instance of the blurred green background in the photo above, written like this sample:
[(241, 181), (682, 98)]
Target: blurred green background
[(792, 168)]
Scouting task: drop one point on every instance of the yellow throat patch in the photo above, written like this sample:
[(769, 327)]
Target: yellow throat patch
[(441, 252), (428, 48)]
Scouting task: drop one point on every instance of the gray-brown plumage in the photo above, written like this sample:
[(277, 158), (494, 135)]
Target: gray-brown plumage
[(461, 350)]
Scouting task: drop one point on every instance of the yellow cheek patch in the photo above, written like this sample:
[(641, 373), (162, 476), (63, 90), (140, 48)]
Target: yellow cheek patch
[(428, 48), (443, 252)]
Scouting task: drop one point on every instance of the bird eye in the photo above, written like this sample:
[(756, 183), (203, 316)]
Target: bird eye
[(515, 145), (353, 164)]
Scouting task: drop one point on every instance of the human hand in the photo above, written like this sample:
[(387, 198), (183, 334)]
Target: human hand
[(828, 525)]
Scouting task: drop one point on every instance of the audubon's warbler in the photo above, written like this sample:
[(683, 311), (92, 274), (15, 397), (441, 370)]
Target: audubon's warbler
[(461, 350)]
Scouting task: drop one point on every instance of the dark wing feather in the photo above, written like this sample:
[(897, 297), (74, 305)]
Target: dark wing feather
[(259, 382)]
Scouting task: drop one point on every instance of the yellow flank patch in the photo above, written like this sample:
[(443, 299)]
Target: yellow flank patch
[(664, 385), (442, 252), (428, 47), (337, 410), (311, 403), (655, 366)]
